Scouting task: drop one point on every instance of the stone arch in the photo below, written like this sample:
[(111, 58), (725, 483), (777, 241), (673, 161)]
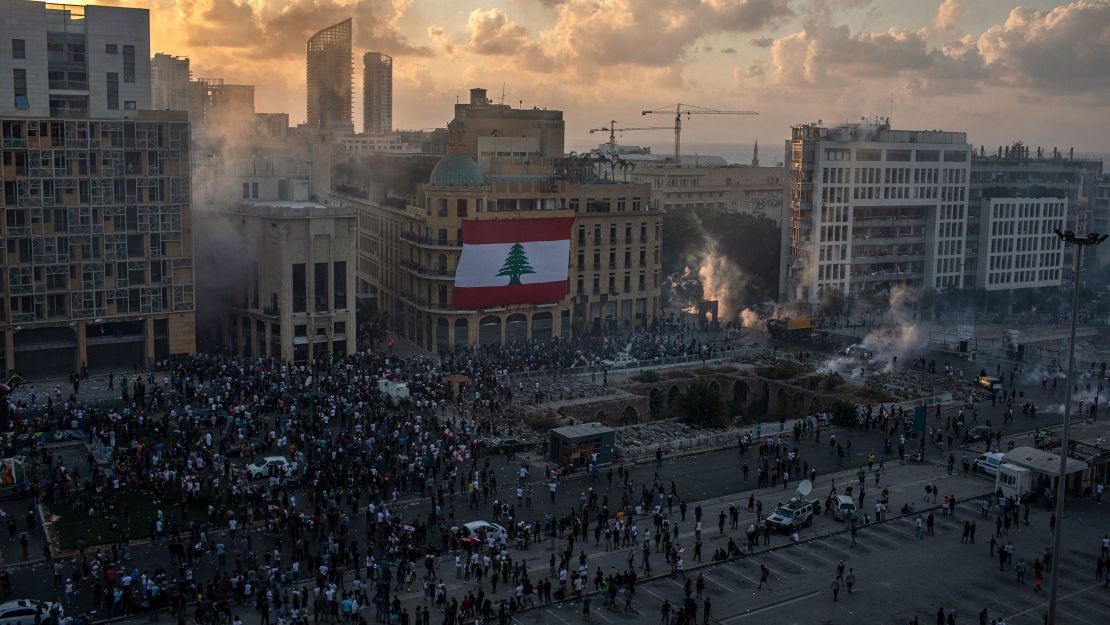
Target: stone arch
[(780, 402), (489, 330), (516, 327), (739, 396), (672, 397), (600, 416), (715, 387), (655, 403), (629, 416), (541, 326)]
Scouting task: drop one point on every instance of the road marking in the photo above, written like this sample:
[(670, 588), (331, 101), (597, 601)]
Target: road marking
[(601, 614), (773, 606), (554, 613), (651, 592), (1072, 616), (1044, 604), (788, 561), (828, 545), (710, 579), (807, 549)]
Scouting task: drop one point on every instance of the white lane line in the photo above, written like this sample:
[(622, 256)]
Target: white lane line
[(813, 552), (738, 617), (651, 592), (1042, 605), (788, 561), (711, 580)]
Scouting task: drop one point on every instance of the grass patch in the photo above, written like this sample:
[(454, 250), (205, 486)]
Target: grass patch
[(780, 371), (542, 422), (678, 374)]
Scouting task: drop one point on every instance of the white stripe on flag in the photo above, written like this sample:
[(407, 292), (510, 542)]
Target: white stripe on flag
[(480, 264)]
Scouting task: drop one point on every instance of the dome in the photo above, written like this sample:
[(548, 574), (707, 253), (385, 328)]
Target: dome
[(456, 170)]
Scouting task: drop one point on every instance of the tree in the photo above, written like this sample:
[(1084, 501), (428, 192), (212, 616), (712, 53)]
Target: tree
[(703, 406), (516, 264), (844, 414)]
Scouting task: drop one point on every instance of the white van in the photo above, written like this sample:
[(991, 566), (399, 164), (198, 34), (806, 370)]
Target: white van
[(988, 462)]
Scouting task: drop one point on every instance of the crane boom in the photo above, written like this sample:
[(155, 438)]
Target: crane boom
[(689, 109), (613, 129)]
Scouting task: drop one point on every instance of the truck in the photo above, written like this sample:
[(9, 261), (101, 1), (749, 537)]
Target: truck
[(395, 391), (792, 514), (1012, 480), (788, 329)]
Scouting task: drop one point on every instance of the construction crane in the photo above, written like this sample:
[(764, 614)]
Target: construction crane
[(689, 109), (613, 129)]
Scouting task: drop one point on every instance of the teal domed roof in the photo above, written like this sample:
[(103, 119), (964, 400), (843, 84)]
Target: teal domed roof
[(456, 170)]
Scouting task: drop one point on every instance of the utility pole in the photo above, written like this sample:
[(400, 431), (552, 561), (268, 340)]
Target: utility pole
[(1090, 240)]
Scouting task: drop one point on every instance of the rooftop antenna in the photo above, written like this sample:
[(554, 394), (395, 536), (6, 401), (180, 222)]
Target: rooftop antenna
[(890, 118), (502, 93)]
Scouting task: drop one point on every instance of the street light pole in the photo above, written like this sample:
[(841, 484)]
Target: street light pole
[(1090, 240)]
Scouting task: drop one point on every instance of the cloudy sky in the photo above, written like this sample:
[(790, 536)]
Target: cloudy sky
[(1036, 70)]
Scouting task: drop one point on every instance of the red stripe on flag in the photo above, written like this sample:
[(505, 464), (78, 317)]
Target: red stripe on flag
[(491, 296), (480, 231)]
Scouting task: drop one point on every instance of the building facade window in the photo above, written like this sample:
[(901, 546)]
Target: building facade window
[(19, 49), (128, 64), (19, 84), (113, 91)]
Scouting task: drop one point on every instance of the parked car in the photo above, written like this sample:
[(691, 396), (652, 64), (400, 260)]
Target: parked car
[(792, 514), (844, 507), (22, 611), (978, 434), (477, 528), (509, 444), (270, 465)]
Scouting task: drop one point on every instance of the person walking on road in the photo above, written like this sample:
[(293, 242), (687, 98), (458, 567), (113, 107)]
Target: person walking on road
[(835, 588), (764, 576), (850, 580)]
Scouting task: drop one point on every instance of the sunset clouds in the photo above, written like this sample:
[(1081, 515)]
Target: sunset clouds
[(949, 63)]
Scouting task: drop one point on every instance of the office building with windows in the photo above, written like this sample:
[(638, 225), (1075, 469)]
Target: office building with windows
[(377, 93), (96, 240), (870, 208), (329, 78)]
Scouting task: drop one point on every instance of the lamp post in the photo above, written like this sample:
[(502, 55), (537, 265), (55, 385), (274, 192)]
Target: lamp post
[(1090, 240)]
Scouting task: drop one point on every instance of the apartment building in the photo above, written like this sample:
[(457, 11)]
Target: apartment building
[(485, 131), (749, 189), (295, 300), (62, 60), (97, 237), (870, 208), (408, 254)]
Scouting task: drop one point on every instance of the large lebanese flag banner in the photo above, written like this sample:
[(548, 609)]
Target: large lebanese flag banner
[(512, 261)]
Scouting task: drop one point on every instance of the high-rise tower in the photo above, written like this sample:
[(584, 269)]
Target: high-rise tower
[(328, 57), (377, 93)]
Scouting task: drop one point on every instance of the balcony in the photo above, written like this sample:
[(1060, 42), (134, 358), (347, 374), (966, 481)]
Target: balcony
[(435, 243), (427, 272)]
